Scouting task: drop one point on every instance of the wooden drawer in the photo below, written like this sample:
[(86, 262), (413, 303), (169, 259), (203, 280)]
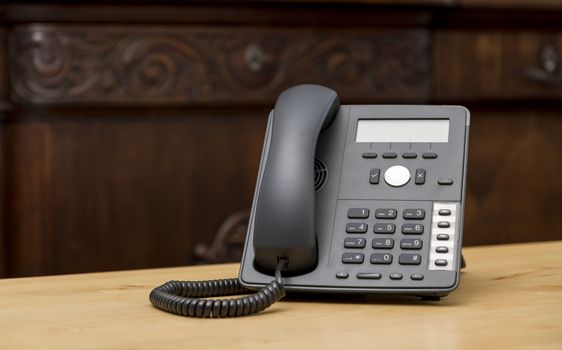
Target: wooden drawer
[(62, 64), (497, 65)]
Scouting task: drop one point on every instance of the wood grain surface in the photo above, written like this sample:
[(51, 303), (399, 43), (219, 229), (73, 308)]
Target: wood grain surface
[(510, 297)]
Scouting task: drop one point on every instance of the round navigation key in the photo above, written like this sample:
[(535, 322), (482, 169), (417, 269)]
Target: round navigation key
[(397, 176)]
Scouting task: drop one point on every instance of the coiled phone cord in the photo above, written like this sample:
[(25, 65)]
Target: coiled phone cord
[(188, 298)]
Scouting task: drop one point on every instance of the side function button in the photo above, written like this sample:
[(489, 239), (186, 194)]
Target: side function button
[(389, 155), (444, 212), (374, 176), (412, 229), (419, 178), (381, 258), (445, 182), (442, 237), (443, 224), (410, 243), (409, 259), (342, 275), (409, 155), (384, 228), (383, 243), (352, 258), (385, 213), (358, 213), (395, 276), (369, 155), (355, 243), (417, 276), (441, 262), (429, 155), (397, 176), (442, 250), (356, 227), (414, 214), (369, 276)]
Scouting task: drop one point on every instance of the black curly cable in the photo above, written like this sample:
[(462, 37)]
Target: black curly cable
[(187, 298)]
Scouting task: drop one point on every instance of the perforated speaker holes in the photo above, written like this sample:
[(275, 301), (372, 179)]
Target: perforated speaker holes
[(320, 174)]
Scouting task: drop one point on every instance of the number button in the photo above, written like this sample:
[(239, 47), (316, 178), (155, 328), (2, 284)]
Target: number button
[(414, 214), (412, 229), (381, 258), (352, 258), (384, 228), (409, 259), (411, 243), (356, 227), (356, 243), (358, 213), (383, 243), (385, 213)]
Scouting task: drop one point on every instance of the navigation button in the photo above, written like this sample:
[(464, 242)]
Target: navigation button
[(397, 176)]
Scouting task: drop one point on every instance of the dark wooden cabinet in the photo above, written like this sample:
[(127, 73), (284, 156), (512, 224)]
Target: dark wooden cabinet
[(130, 132)]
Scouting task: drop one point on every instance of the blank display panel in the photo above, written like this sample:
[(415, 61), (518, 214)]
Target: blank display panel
[(402, 130)]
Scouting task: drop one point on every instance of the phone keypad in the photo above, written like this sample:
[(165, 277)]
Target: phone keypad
[(384, 252)]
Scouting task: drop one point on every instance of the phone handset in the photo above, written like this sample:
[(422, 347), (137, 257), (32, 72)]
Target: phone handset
[(284, 236), (284, 212)]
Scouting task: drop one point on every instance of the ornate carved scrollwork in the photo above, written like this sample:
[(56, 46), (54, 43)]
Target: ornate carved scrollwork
[(124, 65)]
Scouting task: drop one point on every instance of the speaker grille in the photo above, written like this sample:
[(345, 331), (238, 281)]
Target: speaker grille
[(320, 174)]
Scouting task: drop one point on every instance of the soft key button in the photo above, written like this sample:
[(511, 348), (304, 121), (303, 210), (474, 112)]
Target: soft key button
[(397, 176)]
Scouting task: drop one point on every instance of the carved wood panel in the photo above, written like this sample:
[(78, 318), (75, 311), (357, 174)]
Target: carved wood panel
[(62, 64)]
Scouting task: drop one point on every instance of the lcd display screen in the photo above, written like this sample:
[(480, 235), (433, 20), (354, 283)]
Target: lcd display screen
[(402, 130)]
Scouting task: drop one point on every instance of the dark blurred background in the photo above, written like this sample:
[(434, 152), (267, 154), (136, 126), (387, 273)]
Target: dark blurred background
[(131, 131)]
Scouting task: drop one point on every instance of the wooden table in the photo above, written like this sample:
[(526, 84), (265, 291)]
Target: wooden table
[(510, 297)]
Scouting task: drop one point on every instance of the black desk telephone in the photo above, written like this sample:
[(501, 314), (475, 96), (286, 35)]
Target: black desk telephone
[(349, 199)]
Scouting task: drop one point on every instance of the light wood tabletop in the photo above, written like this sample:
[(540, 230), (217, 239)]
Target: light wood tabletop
[(510, 297)]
